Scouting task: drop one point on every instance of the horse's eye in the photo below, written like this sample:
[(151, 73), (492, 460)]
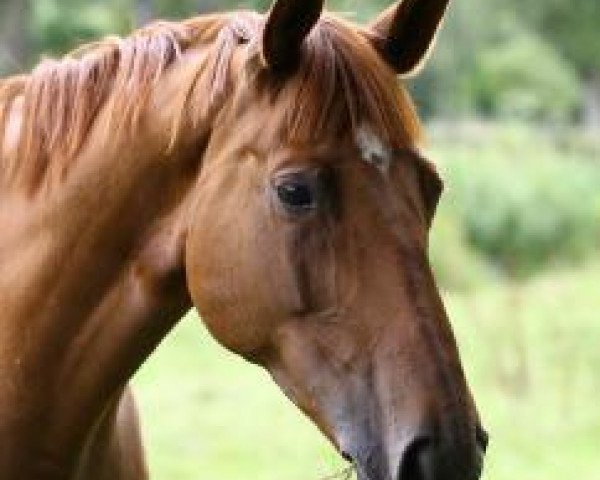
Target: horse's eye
[(296, 195)]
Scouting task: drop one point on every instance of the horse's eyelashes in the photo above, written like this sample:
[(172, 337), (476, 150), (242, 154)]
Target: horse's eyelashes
[(300, 192), (296, 195)]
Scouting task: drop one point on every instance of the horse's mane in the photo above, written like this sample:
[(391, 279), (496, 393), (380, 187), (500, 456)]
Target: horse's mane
[(341, 82)]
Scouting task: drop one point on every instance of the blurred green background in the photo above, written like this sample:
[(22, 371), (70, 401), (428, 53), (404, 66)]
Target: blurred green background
[(511, 99)]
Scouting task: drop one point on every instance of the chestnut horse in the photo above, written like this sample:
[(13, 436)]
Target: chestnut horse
[(264, 169)]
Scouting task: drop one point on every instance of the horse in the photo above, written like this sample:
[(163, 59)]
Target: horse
[(265, 169)]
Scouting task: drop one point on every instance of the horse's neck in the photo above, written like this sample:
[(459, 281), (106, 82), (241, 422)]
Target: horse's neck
[(122, 202), (92, 276)]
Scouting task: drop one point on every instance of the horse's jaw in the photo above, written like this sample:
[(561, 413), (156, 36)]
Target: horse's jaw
[(379, 416)]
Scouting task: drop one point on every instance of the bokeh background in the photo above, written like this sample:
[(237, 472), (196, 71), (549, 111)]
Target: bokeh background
[(511, 99)]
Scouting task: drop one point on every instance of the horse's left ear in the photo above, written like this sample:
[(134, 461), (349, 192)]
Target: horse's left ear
[(405, 32), (288, 23)]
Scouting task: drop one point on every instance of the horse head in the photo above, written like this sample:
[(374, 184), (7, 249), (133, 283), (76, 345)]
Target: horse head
[(307, 245)]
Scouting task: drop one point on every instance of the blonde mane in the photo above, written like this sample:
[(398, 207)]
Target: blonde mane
[(341, 83)]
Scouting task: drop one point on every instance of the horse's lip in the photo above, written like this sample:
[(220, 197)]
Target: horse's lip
[(359, 467), (354, 464), (479, 461), (482, 438)]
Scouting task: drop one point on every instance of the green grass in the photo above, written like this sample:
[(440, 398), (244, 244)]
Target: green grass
[(208, 413), (531, 352)]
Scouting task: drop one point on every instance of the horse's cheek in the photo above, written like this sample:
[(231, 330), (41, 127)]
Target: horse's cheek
[(232, 288)]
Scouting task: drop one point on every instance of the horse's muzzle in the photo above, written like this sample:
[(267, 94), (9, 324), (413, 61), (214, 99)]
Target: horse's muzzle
[(424, 457)]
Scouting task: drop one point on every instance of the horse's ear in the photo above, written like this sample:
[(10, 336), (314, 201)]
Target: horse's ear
[(288, 23), (405, 32)]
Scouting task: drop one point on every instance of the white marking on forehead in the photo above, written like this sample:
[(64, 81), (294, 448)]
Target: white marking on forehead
[(373, 149)]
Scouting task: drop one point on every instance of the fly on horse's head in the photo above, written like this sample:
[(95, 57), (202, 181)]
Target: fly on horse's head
[(264, 169)]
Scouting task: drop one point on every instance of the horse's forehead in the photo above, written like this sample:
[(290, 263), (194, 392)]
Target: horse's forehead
[(373, 149)]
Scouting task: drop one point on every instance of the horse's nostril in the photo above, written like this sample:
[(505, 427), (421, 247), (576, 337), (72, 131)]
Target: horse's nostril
[(429, 458), (415, 464)]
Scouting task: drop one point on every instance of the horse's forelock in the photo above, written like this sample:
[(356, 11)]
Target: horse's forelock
[(341, 84)]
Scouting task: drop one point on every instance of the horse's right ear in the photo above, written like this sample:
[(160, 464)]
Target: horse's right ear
[(405, 32), (288, 23)]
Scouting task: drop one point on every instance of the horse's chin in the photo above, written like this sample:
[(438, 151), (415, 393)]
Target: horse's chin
[(362, 475)]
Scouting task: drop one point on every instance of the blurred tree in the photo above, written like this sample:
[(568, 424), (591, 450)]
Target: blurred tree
[(144, 11), (447, 87), (61, 25), (492, 60), (573, 27), (14, 35), (505, 84), (206, 6)]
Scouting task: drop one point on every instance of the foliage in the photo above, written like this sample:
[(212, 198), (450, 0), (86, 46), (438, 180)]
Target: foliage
[(61, 25), (523, 219), (487, 61), (444, 88), (522, 77), (521, 202), (571, 26)]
